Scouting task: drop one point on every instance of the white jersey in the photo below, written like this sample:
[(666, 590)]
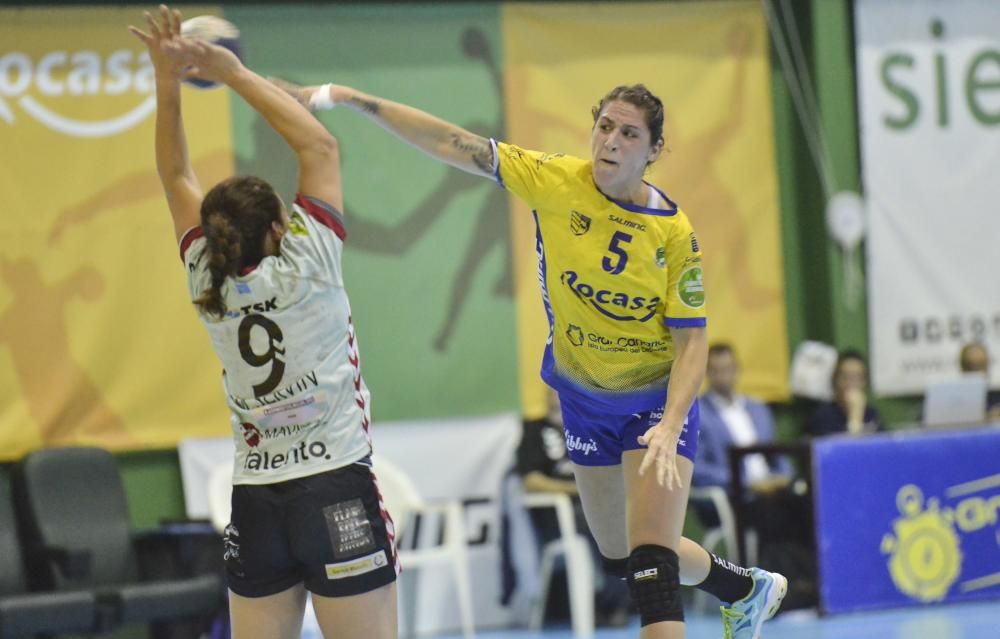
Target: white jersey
[(292, 372)]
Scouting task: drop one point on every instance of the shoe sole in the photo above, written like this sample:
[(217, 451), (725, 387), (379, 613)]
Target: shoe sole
[(774, 598)]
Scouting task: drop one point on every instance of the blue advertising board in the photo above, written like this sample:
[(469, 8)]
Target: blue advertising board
[(908, 518)]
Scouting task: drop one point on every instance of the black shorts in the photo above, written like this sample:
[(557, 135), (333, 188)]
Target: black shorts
[(327, 530)]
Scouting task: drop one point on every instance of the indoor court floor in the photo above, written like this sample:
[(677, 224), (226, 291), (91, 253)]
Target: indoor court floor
[(956, 621)]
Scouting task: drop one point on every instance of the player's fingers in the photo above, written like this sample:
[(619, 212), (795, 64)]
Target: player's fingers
[(646, 437), (142, 35), (153, 28), (175, 22), (668, 475), (661, 472), (647, 460), (677, 476)]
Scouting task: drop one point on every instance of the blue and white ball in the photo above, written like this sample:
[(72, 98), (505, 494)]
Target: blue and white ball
[(214, 30)]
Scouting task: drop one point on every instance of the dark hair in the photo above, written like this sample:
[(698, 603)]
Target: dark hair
[(640, 97), (721, 348), (236, 216), (846, 355), (963, 355)]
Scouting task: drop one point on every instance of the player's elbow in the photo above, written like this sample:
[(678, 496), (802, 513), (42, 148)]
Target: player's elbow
[(321, 148), (328, 145)]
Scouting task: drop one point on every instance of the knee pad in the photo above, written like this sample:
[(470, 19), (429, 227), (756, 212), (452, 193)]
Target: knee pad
[(617, 568), (655, 582)]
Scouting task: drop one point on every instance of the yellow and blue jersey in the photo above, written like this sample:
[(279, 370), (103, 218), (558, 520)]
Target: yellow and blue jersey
[(614, 277)]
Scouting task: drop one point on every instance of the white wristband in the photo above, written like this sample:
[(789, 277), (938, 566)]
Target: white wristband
[(320, 100)]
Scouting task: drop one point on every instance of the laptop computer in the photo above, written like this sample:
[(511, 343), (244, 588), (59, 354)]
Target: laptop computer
[(956, 402)]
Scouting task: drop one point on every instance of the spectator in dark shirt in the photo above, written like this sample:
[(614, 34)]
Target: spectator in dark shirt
[(849, 412)]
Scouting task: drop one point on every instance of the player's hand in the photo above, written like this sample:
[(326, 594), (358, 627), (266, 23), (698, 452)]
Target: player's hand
[(309, 96), (661, 441), (205, 61), (164, 32)]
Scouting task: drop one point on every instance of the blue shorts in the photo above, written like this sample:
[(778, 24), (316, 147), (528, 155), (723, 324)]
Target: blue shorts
[(598, 438)]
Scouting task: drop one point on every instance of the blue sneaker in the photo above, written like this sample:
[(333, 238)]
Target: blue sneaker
[(743, 619)]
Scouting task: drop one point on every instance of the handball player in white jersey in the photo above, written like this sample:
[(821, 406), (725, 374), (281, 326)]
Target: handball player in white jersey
[(267, 283)]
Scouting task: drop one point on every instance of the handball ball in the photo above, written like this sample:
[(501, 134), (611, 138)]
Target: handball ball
[(214, 30)]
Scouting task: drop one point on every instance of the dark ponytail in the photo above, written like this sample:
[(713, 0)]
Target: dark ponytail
[(236, 216), (224, 254)]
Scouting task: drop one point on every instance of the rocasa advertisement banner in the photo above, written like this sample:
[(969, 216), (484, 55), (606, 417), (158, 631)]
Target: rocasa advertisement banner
[(98, 343), (921, 528), (930, 142)]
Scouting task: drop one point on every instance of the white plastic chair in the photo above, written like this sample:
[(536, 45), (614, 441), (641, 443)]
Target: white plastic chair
[(579, 566), (725, 532), (404, 503), (220, 496)]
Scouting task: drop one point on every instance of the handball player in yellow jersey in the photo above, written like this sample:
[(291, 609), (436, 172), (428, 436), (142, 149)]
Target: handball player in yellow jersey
[(621, 277)]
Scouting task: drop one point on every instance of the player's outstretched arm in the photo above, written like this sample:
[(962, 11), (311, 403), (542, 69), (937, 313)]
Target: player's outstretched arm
[(442, 140), (180, 185), (314, 146)]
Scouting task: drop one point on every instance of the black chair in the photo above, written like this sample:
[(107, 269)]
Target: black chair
[(25, 614), (76, 514)]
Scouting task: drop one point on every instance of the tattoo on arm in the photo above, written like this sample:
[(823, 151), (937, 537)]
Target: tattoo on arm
[(480, 150), (371, 107)]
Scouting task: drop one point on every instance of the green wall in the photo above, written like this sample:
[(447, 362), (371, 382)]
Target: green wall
[(813, 263)]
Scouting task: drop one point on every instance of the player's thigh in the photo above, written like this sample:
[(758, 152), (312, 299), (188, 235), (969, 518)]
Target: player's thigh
[(370, 615), (654, 514), (277, 616), (602, 493)]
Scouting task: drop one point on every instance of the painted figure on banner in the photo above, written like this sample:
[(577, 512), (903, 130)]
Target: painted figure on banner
[(66, 404)]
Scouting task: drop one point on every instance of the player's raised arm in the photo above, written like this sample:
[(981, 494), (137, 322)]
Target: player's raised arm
[(314, 146), (441, 140), (180, 185)]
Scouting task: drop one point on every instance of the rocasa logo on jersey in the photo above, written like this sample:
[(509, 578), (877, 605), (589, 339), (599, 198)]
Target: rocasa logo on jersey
[(613, 304), (48, 88)]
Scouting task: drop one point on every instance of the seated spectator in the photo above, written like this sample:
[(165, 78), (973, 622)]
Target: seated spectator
[(731, 419), (544, 466), (974, 358), (849, 412)]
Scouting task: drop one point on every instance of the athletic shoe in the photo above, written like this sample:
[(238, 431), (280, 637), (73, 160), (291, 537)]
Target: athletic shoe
[(743, 619)]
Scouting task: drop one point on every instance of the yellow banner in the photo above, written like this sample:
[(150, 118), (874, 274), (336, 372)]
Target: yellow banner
[(708, 62), (98, 342)]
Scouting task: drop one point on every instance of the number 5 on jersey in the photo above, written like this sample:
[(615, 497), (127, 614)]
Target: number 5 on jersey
[(616, 267)]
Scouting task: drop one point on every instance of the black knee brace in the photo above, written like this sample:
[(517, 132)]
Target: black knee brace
[(654, 580), (615, 567)]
